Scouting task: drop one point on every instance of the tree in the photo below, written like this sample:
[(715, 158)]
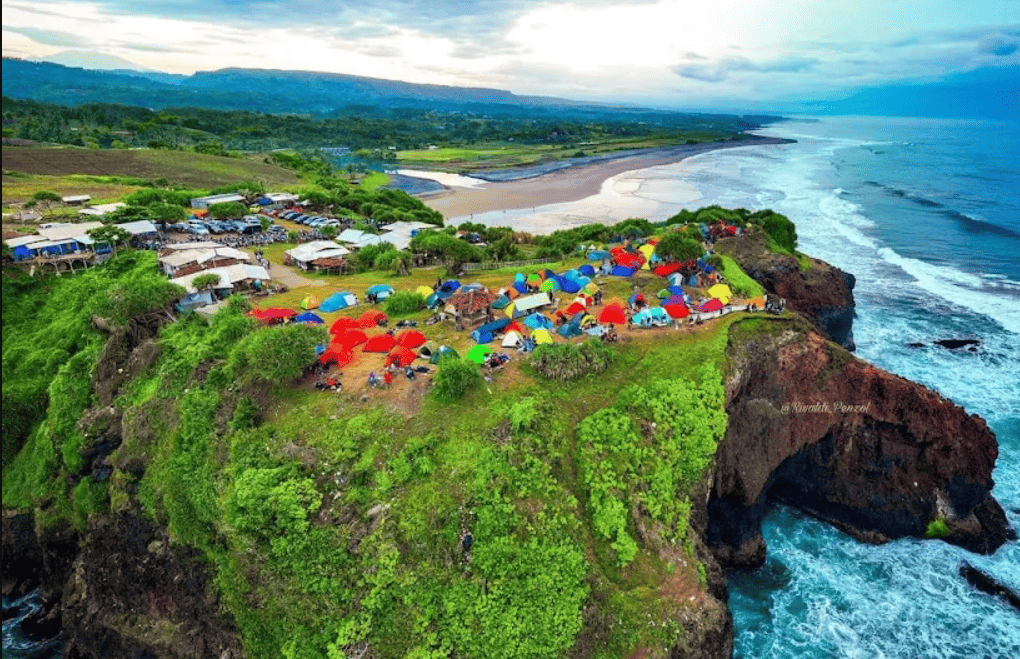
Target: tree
[(277, 354), (675, 246), (329, 231), (455, 376), (227, 209), (45, 197), (111, 235), (206, 282)]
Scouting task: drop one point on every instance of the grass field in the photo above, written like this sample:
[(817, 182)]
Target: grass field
[(107, 175)]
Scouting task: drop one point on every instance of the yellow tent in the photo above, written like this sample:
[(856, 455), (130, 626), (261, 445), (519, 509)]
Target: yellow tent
[(647, 251), (591, 288), (721, 291), (542, 335), (310, 302), (509, 311), (424, 291)]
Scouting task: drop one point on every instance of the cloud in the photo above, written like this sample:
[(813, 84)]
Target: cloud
[(51, 37), (708, 71)]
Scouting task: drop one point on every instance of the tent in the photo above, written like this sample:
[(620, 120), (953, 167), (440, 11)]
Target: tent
[(401, 356), (574, 308), (541, 336), (338, 301), (646, 251), (621, 271), (423, 291), (474, 286), (677, 310), (272, 315), (380, 343), (722, 292), (549, 285), (502, 302), (443, 351), (612, 314), (667, 269), (512, 340), (534, 279), (371, 318), (309, 317), (598, 255), (569, 285), (380, 291), (351, 338), (567, 330), (756, 303), (538, 321), (635, 299), (335, 354), (715, 304), (310, 302), (591, 288), (478, 336), (449, 287), (519, 277), (651, 316), (411, 338), (342, 324), (586, 270), (495, 326), (478, 354)]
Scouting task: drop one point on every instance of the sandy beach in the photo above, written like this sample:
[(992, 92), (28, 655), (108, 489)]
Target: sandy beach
[(517, 197)]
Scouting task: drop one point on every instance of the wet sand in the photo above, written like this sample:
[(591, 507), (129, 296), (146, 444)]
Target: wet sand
[(564, 185)]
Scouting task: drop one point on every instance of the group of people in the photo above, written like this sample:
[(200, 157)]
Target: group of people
[(391, 372)]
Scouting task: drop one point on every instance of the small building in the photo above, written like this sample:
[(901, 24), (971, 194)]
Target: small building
[(76, 199), (232, 278), (140, 229), (181, 262), (275, 200), (206, 202), (303, 255), (101, 210), (22, 247)]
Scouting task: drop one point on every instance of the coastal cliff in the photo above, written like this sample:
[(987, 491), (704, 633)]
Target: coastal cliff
[(876, 455), (820, 292)]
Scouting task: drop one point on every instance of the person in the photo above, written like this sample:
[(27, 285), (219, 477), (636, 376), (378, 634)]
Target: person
[(409, 372), (388, 378), (373, 381)]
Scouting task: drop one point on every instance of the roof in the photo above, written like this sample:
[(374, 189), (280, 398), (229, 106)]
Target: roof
[(230, 274), (138, 227), (471, 302), (218, 199), (525, 303), (195, 245), (61, 232), (183, 257), (76, 199), (24, 240), (279, 196), (100, 210), (317, 249)]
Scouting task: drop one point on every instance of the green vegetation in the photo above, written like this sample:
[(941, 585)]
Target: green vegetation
[(937, 528), (456, 375), (569, 361), (738, 280), (404, 302)]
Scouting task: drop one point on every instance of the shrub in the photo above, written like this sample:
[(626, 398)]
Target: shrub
[(937, 528), (277, 354), (569, 361), (404, 302), (455, 376)]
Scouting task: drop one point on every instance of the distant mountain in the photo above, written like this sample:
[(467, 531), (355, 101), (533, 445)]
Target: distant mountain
[(302, 92), (92, 60), (989, 93)]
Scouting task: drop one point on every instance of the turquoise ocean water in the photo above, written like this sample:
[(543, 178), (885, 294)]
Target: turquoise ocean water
[(926, 215)]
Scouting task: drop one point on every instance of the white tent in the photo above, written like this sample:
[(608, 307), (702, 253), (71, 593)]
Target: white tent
[(512, 340)]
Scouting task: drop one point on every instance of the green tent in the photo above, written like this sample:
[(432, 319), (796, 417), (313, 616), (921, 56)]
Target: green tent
[(478, 353)]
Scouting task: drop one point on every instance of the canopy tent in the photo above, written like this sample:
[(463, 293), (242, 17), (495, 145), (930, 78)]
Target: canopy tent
[(380, 291), (722, 292), (342, 324), (612, 314), (401, 356), (542, 335), (411, 338), (337, 301), (478, 353), (371, 318), (310, 302), (380, 343), (351, 338), (309, 317), (512, 340)]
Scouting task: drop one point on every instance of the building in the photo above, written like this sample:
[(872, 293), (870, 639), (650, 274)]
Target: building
[(206, 202), (303, 255), (101, 210), (182, 262), (274, 200), (76, 199), (232, 278)]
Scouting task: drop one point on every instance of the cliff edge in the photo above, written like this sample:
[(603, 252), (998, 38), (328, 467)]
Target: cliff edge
[(870, 452)]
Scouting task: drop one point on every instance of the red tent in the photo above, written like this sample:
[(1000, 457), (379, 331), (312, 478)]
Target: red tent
[(575, 308), (514, 327), (677, 310), (612, 314), (371, 318), (272, 315), (411, 338), (351, 338), (401, 356), (380, 343), (336, 354), (667, 269), (343, 323), (715, 304)]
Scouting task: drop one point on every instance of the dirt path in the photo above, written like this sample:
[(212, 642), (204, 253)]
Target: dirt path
[(291, 279)]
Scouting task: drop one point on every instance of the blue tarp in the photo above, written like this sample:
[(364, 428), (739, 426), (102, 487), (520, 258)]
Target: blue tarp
[(620, 271), (308, 317), (494, 326)]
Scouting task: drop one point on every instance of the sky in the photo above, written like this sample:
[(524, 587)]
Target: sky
[(679, 53)]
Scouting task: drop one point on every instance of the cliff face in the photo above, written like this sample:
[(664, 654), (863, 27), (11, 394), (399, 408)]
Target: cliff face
[(823, 294), (874, 454)]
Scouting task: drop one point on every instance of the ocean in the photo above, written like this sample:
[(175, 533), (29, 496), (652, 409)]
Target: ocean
[(926, 214)]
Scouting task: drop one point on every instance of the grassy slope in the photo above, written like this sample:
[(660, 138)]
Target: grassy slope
[(108, 175)]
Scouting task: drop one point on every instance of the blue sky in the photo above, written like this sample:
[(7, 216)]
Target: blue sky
[(664, 52)]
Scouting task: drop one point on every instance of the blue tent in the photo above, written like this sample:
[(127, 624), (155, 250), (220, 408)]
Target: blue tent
[(520, 287), (519, 277), (587, 270), (571, 274), (494, 326), (433, 301), (381, 291), (537, 321), (482, 337), (467, 288), (308, 317), (645, 317), (338, 301), (675, 290), (449, 287), (621, 271), (706, 268), (568, 330), (568, 285), (598, 255), (502, 302)]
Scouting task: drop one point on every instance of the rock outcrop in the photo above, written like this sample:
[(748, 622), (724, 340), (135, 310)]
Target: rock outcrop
[(872, 453), (822, 293)]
